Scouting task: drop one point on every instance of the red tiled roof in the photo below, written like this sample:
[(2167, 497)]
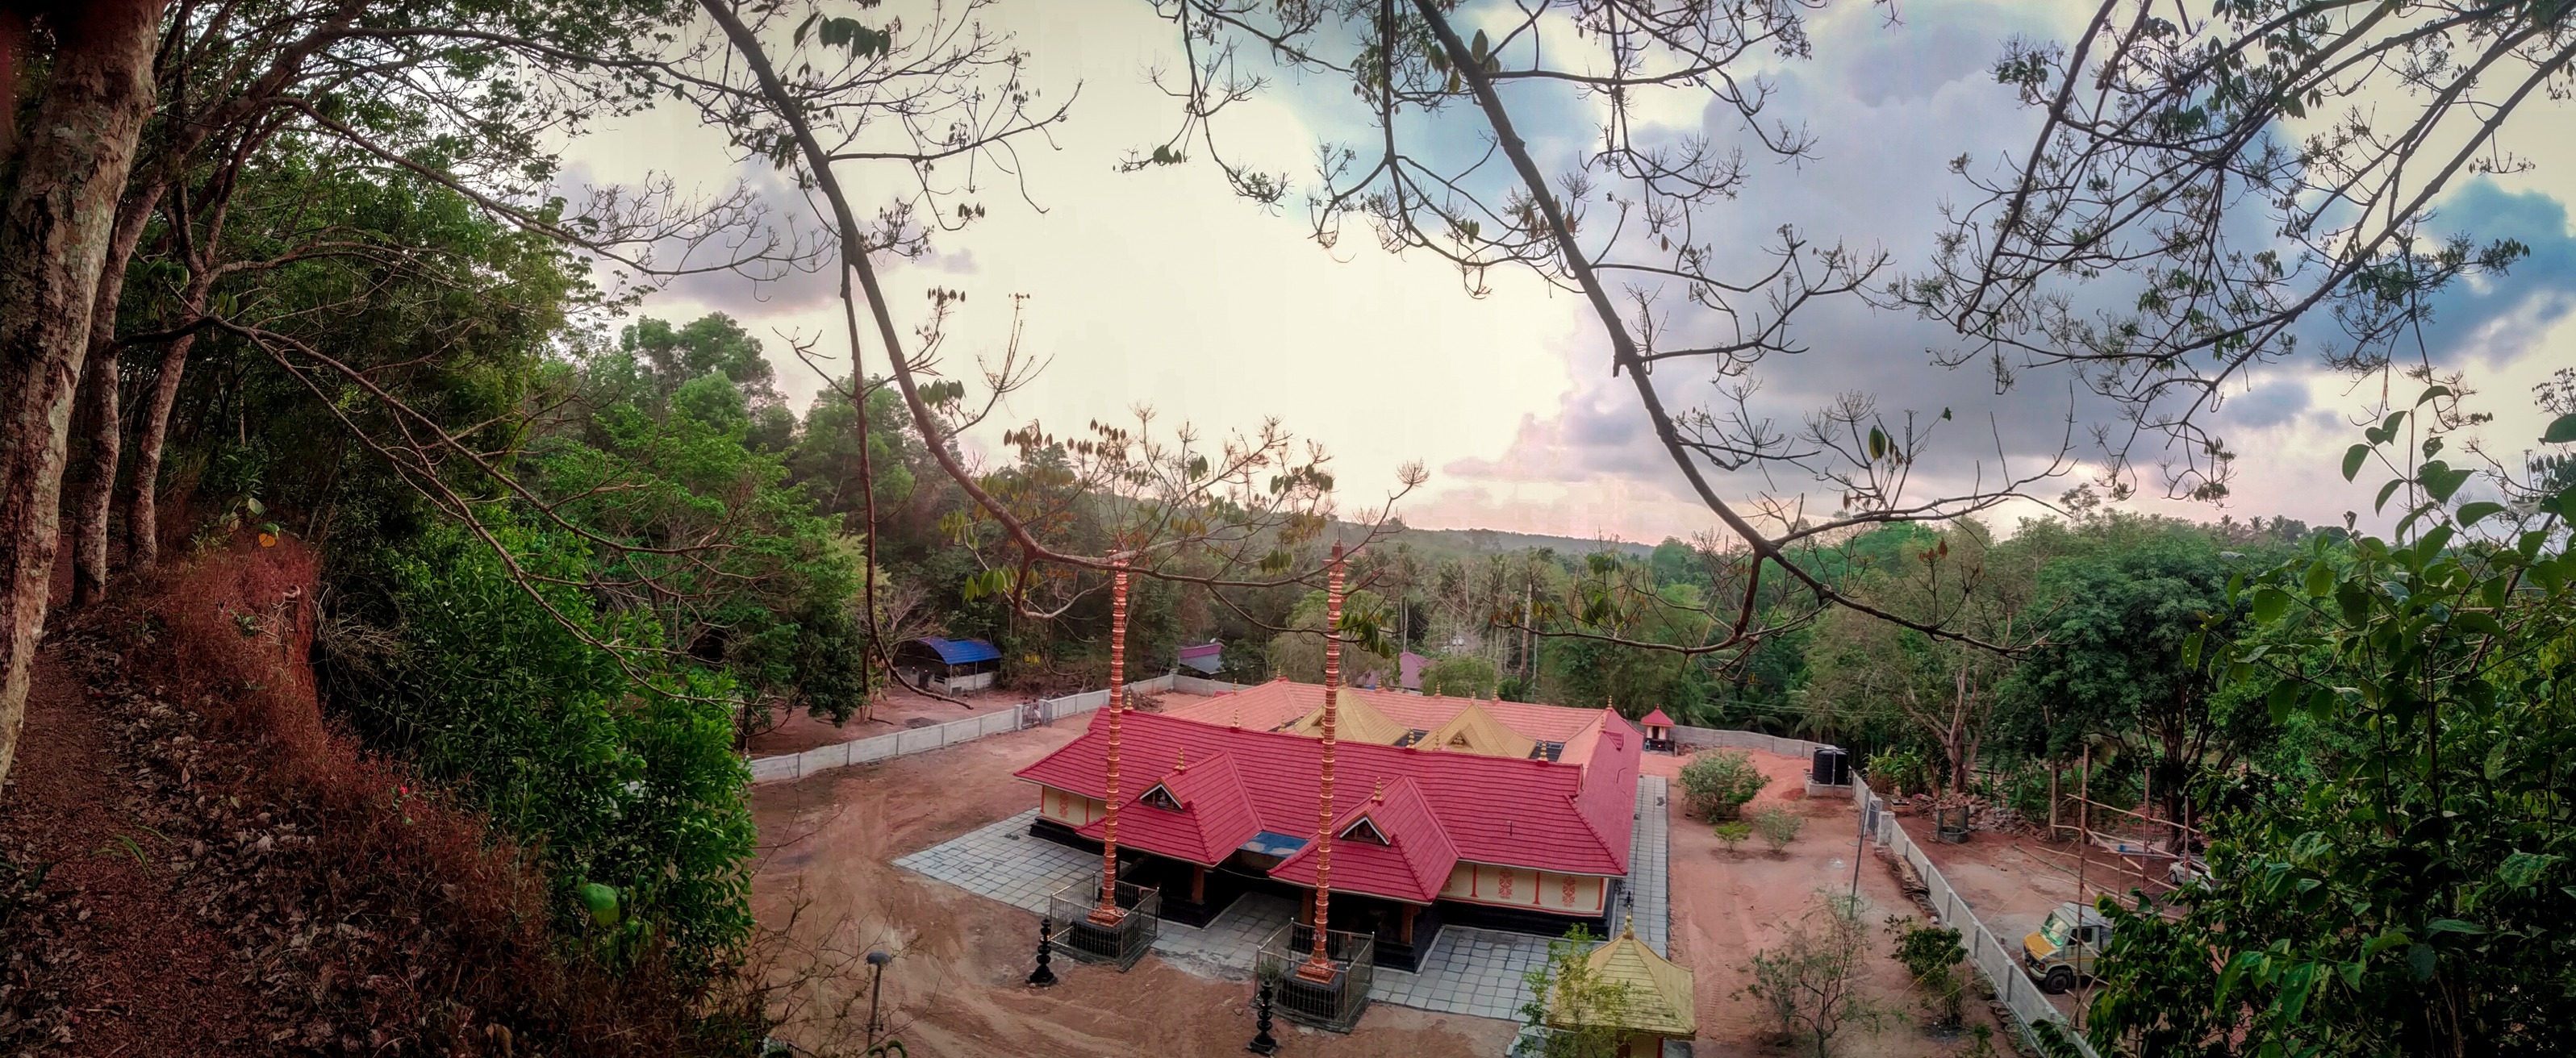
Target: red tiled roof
[(1657, 719), (1572, 817), (1216, 816), (1412, 866), (1266, 706)]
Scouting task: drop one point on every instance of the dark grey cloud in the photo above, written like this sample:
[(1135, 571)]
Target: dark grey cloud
[(2272, 403), (1889, 106), (2500, 319)]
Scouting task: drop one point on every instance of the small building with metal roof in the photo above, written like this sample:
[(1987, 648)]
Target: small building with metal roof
[(950, 666)]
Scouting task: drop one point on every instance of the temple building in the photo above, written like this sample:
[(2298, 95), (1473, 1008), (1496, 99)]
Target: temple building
[(1447, 810)]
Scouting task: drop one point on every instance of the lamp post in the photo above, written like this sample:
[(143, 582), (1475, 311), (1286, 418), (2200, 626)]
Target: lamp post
[(1319, 967), (1044, 975), (1262, 1041), (876, 960)]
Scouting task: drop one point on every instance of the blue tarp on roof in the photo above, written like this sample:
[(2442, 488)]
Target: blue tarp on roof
[(961, 651)]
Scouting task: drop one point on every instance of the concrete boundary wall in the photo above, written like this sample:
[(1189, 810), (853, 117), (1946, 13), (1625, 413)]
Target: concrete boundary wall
[(2001, 967), (1712, 738), (995, 721)]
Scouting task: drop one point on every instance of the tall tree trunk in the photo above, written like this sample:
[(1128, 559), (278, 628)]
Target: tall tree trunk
[(54, 235), (143, 517), (89, 515)]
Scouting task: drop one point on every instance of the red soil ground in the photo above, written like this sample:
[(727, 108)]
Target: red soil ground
[(1727, 905), (899, 709), (955, 987), (151, 976)]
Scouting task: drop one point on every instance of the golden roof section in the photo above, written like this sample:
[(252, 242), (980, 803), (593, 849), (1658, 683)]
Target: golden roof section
[(1354, 720), (1474, 730)]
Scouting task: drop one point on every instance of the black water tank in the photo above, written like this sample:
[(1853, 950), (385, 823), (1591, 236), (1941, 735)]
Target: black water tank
[(1833, 767)]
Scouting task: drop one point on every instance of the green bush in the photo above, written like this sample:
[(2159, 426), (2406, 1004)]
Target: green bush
[(1778, 826), (632, 786), (1719, 783), (1733, 833), (1931, 955)]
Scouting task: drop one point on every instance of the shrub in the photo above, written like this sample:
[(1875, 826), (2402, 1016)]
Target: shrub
[(1931, 955), (1809, 984), (1733, 833), (1587, 1009), (1719, 783), (1778, 826)]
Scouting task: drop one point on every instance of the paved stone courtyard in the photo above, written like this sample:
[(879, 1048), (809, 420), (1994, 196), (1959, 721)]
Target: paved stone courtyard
[(1468, 970)]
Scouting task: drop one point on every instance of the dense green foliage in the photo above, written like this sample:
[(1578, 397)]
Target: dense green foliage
[(628, 778), (1460, 676), (2414, 898)]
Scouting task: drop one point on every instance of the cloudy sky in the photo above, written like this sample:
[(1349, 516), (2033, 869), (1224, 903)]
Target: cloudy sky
[(1162, 289)]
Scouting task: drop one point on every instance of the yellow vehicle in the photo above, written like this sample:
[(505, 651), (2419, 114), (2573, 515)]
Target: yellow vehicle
[(2064, 947)]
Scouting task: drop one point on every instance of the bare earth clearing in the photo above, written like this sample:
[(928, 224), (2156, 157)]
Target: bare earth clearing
[(1727, 905), (955, 987)]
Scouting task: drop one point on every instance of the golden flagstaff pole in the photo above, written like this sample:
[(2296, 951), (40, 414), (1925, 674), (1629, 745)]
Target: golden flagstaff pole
[(1108, 913), (1320, 967)]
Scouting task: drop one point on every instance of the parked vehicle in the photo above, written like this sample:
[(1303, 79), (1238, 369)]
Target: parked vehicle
[(2187, 871), (2062, 950)]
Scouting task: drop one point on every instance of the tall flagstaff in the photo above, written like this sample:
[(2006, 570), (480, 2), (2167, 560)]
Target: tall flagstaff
[(1108, 913), (1320, 967)]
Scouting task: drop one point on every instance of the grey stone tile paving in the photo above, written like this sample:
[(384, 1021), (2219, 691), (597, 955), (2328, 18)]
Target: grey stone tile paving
[(1467, 971), (1003, 862)]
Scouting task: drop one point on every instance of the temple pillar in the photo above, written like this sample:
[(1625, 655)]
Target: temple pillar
[(1404, 932), (1198, 884)]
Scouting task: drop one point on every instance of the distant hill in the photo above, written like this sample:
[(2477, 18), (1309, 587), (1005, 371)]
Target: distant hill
[(1445, 543)]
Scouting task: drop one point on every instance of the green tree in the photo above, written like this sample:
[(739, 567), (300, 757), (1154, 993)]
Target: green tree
[(1299, 652), (624, 783), (2116, 619), (1460, 676), (2413, 900), (1809, 984)]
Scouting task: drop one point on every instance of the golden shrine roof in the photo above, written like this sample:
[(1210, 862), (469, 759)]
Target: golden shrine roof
[(1474, 730), (1659, 999), (1354, 720)]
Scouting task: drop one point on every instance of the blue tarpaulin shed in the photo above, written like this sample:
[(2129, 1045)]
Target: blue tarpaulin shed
[(950, 665), (961, 651)]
